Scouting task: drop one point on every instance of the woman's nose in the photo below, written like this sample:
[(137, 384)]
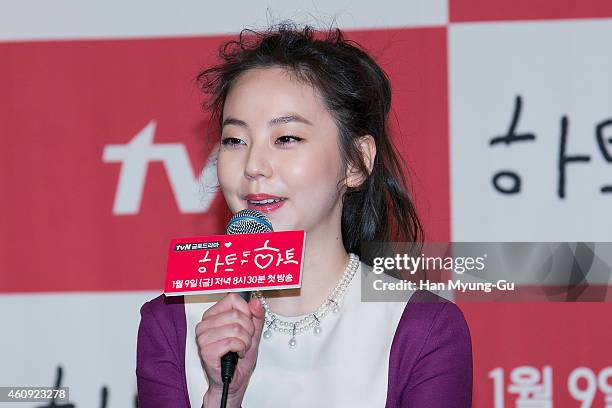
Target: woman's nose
[(258, 163)]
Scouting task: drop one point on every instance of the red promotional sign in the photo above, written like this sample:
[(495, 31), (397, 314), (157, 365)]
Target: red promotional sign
[(230, 263)]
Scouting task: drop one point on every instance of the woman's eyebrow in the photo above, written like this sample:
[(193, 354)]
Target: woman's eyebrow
[(294, 117), (233, 121)]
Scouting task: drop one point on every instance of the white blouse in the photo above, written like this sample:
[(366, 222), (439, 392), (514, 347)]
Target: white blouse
[(346, 365)]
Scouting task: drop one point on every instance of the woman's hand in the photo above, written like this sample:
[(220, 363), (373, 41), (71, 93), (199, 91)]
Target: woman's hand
[(230, 325)]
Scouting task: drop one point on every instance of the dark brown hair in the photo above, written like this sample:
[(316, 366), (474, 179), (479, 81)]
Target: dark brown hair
[(357, 93)]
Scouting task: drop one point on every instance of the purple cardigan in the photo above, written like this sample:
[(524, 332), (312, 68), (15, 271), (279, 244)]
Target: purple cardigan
[(430, 364)]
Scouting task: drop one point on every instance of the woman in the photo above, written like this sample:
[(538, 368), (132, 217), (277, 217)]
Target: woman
[(303, 138)]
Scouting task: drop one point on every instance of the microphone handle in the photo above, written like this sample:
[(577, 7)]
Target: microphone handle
[(246, 295), (229, 360)]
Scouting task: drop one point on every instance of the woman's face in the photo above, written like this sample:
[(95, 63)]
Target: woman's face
[(278, 142)]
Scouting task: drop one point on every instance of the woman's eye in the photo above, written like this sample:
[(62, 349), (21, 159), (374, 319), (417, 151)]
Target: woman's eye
[(231, 141), (288, 139)]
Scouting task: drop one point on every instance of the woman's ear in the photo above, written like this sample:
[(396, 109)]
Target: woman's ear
[(367, 148)]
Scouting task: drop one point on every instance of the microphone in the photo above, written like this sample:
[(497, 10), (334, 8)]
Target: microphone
[(243, 222), (248, 222)]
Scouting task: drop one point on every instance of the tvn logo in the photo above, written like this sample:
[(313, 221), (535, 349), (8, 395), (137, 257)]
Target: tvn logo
[(193, 193), (196, 246)]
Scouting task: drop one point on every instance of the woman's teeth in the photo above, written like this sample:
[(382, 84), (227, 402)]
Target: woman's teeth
[(263, 202)]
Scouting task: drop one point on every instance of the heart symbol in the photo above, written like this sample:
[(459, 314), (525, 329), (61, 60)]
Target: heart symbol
[(263, 256), (228, 244)]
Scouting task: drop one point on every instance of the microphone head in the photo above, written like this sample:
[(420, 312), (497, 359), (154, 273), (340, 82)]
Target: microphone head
[(249, 222)]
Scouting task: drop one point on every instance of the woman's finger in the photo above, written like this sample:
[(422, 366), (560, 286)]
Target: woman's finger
[(214, 351), (229, 302), (233, 330), (225, 318), (258, 317)]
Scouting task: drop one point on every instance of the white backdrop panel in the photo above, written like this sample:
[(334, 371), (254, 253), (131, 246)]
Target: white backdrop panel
[(91, 335), (63, 19), (559, 68)]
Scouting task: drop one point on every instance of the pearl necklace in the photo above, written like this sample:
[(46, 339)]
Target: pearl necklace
[(313, 320)]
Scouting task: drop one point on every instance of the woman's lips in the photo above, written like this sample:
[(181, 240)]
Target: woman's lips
[(264, 207)]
